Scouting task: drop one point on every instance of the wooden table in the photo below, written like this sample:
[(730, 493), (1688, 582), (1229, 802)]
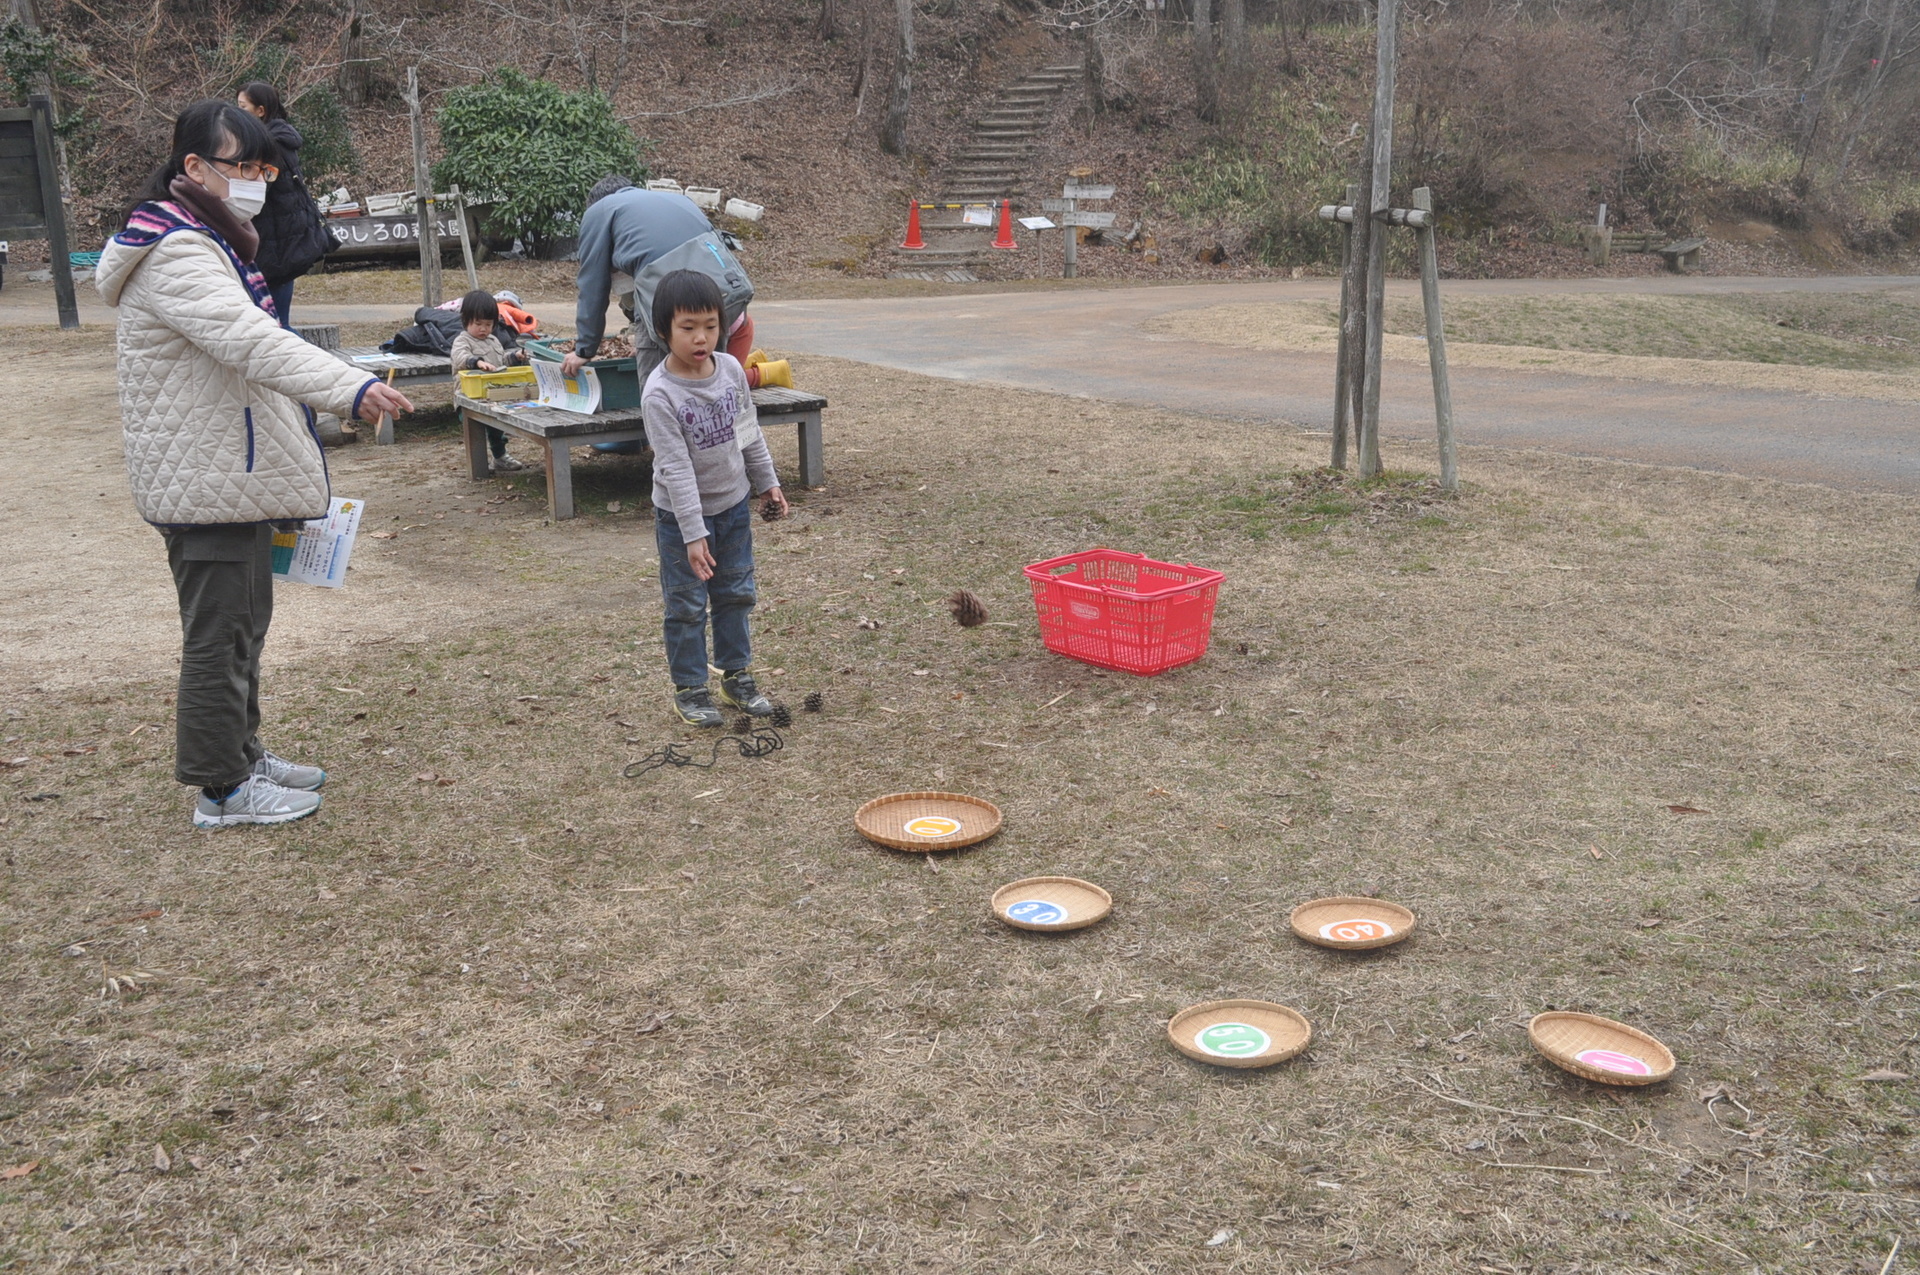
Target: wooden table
[(414, 369), (558, 433)]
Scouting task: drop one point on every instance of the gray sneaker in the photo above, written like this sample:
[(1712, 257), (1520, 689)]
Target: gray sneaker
[(695, 706), (289, 774), (257, 800), (738, 691), (507, 465)]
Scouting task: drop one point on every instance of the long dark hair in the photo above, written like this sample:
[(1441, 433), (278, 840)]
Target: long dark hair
[(210, 128), (266, 97)]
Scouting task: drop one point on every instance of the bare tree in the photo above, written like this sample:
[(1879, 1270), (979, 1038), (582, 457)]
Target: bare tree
[(1206, 79), (829, 20), (1233, 38), (352, 77), (893, 129), (1884, 56)]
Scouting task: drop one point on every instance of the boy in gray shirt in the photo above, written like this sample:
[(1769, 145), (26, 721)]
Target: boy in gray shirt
[(697, 409)]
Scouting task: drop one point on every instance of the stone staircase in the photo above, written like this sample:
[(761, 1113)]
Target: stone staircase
[(988, 169)]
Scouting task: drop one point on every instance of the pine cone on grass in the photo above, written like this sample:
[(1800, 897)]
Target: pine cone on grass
[(782, 717), (968, 610), (814, 702)]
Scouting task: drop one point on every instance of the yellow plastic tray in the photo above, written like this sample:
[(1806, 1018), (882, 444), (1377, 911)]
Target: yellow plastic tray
[(475, 384)]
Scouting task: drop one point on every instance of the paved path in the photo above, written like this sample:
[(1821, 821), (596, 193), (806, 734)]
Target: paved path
[(1091, 343)]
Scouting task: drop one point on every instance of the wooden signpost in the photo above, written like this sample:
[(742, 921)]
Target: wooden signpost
[(1072, 218), (425, 216), (30, 206)]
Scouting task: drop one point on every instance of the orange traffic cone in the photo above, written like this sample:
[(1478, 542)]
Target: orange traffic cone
[(914, 242), (1005, 238)]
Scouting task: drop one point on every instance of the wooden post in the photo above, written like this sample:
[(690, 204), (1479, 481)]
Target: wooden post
[(466, 243), (1387, 63), (1436, 344), (423, 201), (53, 209), (1070, 265), (1342, 390)]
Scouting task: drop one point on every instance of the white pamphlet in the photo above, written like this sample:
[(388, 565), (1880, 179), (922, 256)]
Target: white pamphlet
[(570, 394), (318, 552)]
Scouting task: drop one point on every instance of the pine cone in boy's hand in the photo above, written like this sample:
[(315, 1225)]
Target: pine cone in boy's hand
[(968, 610)]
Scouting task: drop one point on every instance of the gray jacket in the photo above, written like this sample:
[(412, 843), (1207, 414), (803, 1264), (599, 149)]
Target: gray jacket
[(625, 232)]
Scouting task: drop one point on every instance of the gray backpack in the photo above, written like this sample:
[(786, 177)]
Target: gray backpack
[(706, 254)]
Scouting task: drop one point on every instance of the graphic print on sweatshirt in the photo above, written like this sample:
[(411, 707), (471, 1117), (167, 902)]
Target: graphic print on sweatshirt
[(709, 422)]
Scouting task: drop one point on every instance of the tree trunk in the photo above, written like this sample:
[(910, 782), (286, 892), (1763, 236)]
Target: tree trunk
[(893, 129), (1206, 83), (1094, 64), (1763, 15), (1233, 34), (1287, 64), (1837, 29), (829, 20), (352, 77)]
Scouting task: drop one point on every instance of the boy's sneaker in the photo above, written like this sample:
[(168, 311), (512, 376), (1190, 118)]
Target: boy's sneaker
[(257, 800), (507, 465), (695, 706), (738, 691), (289, 774)]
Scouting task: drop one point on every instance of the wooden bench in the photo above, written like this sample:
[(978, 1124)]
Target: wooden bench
[(1683, 255), (558, 433)]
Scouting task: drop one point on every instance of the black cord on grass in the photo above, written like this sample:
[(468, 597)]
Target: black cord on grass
[(764, 742)]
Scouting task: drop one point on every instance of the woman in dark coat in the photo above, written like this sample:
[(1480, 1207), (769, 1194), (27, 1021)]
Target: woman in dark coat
[(290, 241)]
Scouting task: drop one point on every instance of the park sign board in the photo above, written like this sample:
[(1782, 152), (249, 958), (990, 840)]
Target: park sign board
[(1091, 220), (30, 203), (398, 236), (1088, 192)]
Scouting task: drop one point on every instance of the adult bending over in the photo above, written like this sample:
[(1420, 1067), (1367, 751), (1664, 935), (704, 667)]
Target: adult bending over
[(220, 445), (624, 230)]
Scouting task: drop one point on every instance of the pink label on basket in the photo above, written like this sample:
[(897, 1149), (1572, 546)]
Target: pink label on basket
[(1358, 930), (1613, 1060), (933, 826), (1081, 611)]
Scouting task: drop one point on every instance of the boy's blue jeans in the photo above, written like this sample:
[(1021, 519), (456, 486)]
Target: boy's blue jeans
[(729, 594)]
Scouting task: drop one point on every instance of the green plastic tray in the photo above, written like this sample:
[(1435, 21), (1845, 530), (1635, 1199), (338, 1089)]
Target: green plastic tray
[(619, 378)]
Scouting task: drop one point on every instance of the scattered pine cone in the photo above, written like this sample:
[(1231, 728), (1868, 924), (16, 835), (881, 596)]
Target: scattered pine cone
[(814, 702), (781, 717), (968, 610)]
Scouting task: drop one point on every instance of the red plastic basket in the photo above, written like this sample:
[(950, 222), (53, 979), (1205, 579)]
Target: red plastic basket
[(1124, 611)]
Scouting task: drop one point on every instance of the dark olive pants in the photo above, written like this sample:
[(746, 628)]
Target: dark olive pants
[(224, 575)]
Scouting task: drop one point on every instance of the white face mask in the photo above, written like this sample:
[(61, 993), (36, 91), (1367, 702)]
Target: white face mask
[(246, 198)]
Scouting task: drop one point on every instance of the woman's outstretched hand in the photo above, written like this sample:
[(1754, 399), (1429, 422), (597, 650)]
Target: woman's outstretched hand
[(380, 400)]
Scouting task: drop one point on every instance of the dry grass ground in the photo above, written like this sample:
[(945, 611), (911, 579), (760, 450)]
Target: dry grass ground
[(1847, 345), (544, 1018)]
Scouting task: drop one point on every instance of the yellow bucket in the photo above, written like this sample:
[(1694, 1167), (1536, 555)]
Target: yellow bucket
[(476, 384)]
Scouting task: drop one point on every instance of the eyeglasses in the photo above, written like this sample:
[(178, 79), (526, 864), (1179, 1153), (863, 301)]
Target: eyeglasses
[(248, 169)]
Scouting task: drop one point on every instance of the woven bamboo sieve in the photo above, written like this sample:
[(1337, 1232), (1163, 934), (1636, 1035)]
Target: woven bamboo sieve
[(1600, 1049), (918, 821), (1287, 1030), (1079, 903), (1352, 923)]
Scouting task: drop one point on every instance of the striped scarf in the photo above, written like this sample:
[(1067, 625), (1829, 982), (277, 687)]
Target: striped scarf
[(153, 221)]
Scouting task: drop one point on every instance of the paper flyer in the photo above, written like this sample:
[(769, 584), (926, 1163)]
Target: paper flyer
[(318, 553), (580, 394)]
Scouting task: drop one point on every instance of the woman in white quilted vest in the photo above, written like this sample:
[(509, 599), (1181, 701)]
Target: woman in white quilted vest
[(218, 402)]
